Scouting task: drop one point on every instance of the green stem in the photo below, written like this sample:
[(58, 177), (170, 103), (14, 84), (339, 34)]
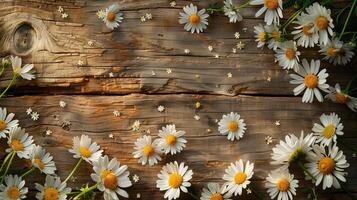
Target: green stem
[(13, 80), (84, 192), (13, 153), (348, 18), (244, 4), (74, 170), (314, 193), (28, 172), (5, 160), (306, 171), (71, 193)]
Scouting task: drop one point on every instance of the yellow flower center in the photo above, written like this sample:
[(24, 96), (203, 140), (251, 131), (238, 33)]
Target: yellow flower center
[(271, 4), (13, 192), (104, 173), (170, 139), (329, 131), (17, 145), (233, 126), (51, 193), (326, 165), (2, 125), (283, 185), (148, 150), (306, 29), (175, 180), (85, 152), (290, 53), (262, 36), (341, 98), (216, 196), (275, 35), (39, 163), (240, 177), (110, 181), (311, 81), (194, 19), (321, 22), (111, 16)]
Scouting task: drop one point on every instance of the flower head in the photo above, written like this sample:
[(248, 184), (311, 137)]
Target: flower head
[(13, 188), (272, 8), (42, 160), (20, 142), (339, 96), (232, 125), (84, 148), (194, 21), (274, 34), (171, 141), (281, 184), (214, 192), (337, 52), (7, 122), (147, 151), (232, 12), (25, 71), (288, 55), (305, 35), (329, 129), (111, 16), (261, 35), (52, 189)]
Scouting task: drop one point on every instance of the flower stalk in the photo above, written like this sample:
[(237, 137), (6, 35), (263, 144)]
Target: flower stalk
[(13, 153), (74, 170)]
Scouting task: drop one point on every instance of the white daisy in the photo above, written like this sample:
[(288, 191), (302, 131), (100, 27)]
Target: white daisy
[(174, 178), (111, 178), (339, 96), (20, 142), (273, 35), (304, 33), (327, 167), (310, 79), (13, 189), (42, 160), (337, 52), (52, 189), (291, 150), (25, 71), (232, 125), (86, 149), (328, 131), (321, 18), (237, 176), (147, 151), (281, 184), (214, 192), (288, 55), (7, 122), (194, 21), (260, 35), (232, 11), (272, 8), (171, 141), (111, 16)]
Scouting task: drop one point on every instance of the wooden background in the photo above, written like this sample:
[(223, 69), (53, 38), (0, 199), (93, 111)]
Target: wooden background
[(34, 30)]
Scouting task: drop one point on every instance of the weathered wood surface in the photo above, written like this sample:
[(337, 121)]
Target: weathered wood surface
[(132, 52)]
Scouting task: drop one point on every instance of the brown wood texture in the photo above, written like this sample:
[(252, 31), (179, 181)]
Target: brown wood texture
[(35, 30)]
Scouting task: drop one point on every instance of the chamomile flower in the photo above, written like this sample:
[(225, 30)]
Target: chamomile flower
[(171, 141), (272, 8), (174, 178), (327, 167), (232, 12), (214, 192), (288, 55), (273, 35), (195, 21), (321, 18), (52, 189), (20, 142), (238, 177), (281, 184), (232, 125), (260, 35), (42, 160), (338, 96), (292, 149), (7, 122), (329, 129), (337, 52), (147, 151), (84, 148), (25, 71), (310, 79), (111, 16), (111, 178), (13, 189), (304, 34)]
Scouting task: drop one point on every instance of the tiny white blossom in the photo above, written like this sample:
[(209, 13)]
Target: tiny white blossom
[(173, 3), (268, 139), (29, 111), (80, 63), (160, 108), (237, 35), (240, 45), (90, 43), (48, 132), (234, 50), (153, 73), (277, 123), (197, 117), (168, 70), (62, 104), (187, 51), (64, 15), (35, 116), (136, 178), (229, 75), (268, 78), (111, 74), (116, 113), (148, 16), (60, 9), (136, 125), (142, 19), (138, 195), (111, 136), (210, 48), (249, 191), (216, 56)]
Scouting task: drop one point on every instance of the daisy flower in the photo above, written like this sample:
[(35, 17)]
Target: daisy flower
[(7, 122), (260, 35), (174, 178), (237, 176), (53, 189), (13, 189), (304, 33), (111, 178), (310, 79), (20, 142), (339, 96), (111, 16), (328, 131), (288, 55), (232, 125), (272, 8), (231, 11), (86, 149), (273, 35), (337, 52), (281, 184), (292, 149), (194, 21), (327, 167), (321, 18), (42, 160), (147, 151), (171, 141), (214, 192), (25, 71)]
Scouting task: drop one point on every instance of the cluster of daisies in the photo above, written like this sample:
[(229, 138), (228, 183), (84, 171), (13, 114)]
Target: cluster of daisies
[(109, 175)]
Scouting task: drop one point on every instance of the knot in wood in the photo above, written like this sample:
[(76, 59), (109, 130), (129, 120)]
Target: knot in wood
[(24, 38)]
